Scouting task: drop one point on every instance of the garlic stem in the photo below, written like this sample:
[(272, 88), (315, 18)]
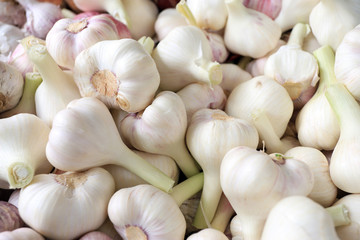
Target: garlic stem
[(147, 43), (185, 11), (187, 188), (339, 214), (298, 34), (27, 101), (184, 160), (207, 71), (117, 9), (19, 174), (223, 214)]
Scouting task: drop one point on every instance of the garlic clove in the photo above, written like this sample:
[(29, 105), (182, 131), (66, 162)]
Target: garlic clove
[(311, 44), (95, 235), (167, 20), (23, 233), (217, 44), (232, 76), (9, 217), (208, 234), (269, 7)]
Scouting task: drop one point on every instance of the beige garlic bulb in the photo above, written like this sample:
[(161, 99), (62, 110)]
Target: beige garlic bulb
[(24, 233), (199, 95), (68, 37), (324, 191), (298, 217), (46, 204), (21, 156), (261, 93), (184, 56), (167, 20), (208, 234), (261, 181), (210, 135), (259, 33), (232, 76), (342, 17), (127, 78)]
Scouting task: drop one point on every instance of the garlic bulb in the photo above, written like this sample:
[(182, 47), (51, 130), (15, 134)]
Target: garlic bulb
[(342, 17), (68, 37), (23, 233), (40, 17), (269, 7), (259, 33), (209, 14), (316, 123), (11, 86), (184, 56), (210, 135), (232, 76), (167, 20), (9, 37), (22, 157), (108, 228), (127, 78), (88, 122), (218, 48), (346, 62), (298, 217), (199, 95), (261, 93), (208, 234), (145, 212), (95, 235), (324, 191), (293, 68), (9, 217), (14, 197), (161, 129), (83, 195), (12, 13), (261, 181), (293, 12), (124, 178)]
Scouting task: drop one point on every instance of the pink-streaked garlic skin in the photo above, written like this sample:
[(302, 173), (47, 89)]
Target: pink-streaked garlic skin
[(269, 7), (9, 217), (20, 60), (217, 44), (23, 233), (304, 97)]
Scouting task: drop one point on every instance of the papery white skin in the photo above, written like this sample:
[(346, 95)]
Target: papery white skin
[(22, 157), (161, 129), (167, 20), (184, 56), (208, 234), (293, 12), (210, 135), (269, 7), (324, 191), (9, 36), (311, 43), (146, 209), (68, 37), (40, 17), (261, 93), (14, 198), (127, 78), (11, 86), (24, 233), (232, 76), (95, 235), (351, 231), (199, 95), (299, 217), (347, 62), (260, 183), (83, 195), (262, 30), (209, 14), (12, 13), (344, 16), (124, 178)]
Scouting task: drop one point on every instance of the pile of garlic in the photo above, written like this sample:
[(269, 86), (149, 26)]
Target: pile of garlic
[(190, 119)]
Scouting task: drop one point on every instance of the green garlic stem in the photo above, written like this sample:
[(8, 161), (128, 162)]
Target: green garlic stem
[(20, 174), (187, 188), (184, 160), (147, 43), (223, 215), (185, 11), (207, 71), (339, 214), (298, 34)]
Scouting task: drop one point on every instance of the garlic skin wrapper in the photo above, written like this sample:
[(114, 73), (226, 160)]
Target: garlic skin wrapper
[(262, 30), (14, 197), (23, 233), (199, 95), (293, 68), (83, 196), (344, 17), (95, 235), (167, 20), (298, 217), (11, 86), (9, 217), (210, 135), (9, 36), (261, 93), (184, 56), (217, 44), (127, 78), (261, 181), (208, 234), (232, 76), (311, 43), (22, 157), (40, 17), (12, 13), (316, 123), (88, 122), (209, 14), (124, 178), (269, 7), (161, 129), (293, 12), (68, 37), (347, 62), (324, 191)]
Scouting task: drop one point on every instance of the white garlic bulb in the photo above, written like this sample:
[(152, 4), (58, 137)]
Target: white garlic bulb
[(208, 234), (167, 20), (232, 76), (46, 204), (259, 33), (184, 56), (127, 78), (24, 233)]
